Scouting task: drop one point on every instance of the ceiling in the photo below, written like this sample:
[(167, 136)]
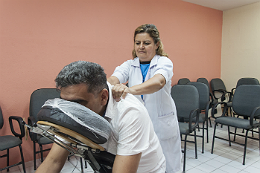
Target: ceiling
[(222, 4)]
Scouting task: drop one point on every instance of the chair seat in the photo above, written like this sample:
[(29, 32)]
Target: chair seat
[(184, 128), (43, 140), (9, 141), (236, 122)]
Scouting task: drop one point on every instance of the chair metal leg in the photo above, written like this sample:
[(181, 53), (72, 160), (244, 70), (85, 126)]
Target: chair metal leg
[(184, 151), (251, 130), (198, 128), (203, 128), (81, 164), (21, 151), (86, 165), (195, 140), (207, 128), (7, 159), (235, 134), (213, 140), (259, 137), (41, 152), (229, 136), (210, 122), (34, 155), (244, 157)]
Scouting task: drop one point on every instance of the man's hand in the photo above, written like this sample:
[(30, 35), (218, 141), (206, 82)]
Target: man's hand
[(120, 90)]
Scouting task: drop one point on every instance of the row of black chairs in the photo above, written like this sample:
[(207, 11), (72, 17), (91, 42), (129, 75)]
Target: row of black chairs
[(37, 99), (218, 91), (192, 104), (193, 101)]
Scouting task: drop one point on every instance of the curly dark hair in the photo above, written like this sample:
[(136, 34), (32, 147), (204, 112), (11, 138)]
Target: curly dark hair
[(78, 72)]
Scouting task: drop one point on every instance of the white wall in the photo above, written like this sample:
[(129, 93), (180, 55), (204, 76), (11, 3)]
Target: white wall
[(240, 55)]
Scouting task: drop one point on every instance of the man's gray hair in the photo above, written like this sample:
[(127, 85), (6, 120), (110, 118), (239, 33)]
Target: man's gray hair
[(78, 72)]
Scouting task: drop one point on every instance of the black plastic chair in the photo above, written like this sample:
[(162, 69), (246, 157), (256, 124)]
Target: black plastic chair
[(245, 81), (219, 91), (246, 102), (9, 141), (204, 103), (186, 98), (38, 98), (213, 101), (183, 81)]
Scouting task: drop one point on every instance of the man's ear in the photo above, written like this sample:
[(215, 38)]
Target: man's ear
[(104, 96)]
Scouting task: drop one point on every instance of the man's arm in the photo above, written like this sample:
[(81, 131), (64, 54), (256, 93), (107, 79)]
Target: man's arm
[(126, 164), (54, 161)]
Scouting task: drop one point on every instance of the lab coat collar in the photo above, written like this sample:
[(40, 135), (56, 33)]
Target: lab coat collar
[(154, 61), (110, 111), (136, 62)]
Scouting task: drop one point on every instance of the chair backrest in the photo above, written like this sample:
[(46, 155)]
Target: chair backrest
[(1, 119), (217, 84), (203, 94), (186, 98), (203, 80), (246, 98), (183, 81), (247, 81), (39, 97), (213, 101)]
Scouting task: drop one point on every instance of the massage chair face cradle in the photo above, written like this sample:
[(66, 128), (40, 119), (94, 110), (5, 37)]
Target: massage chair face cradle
[(73, 133)]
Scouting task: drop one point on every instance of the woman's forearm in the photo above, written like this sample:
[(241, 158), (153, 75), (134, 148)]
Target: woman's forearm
[(150, 86), (113, 80)]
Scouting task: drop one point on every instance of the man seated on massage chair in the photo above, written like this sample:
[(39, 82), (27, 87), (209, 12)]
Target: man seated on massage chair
[(133, 141)]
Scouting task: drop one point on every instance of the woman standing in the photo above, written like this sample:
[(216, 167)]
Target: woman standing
[(149, 79)]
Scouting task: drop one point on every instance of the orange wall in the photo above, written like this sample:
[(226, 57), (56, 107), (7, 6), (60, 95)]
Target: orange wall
[(38, 38)]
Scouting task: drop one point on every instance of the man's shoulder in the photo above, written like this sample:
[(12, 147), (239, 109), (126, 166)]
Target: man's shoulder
[(131, 101), (131, 105)]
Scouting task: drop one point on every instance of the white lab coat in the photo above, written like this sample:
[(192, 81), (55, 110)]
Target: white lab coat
[(160, 105)]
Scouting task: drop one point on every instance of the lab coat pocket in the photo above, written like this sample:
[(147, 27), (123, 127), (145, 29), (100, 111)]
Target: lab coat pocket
[(167, 127)]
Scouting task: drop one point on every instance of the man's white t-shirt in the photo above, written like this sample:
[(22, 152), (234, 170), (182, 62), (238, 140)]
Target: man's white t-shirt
[(133, 133)]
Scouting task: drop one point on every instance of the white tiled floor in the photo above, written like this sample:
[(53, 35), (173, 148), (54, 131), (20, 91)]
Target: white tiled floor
[(225, 159)]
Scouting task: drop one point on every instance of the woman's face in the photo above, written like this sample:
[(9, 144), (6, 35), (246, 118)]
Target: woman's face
[(145, 48)]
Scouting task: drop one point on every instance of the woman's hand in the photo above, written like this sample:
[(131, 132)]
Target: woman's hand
[(120, 90), (150, 86)]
